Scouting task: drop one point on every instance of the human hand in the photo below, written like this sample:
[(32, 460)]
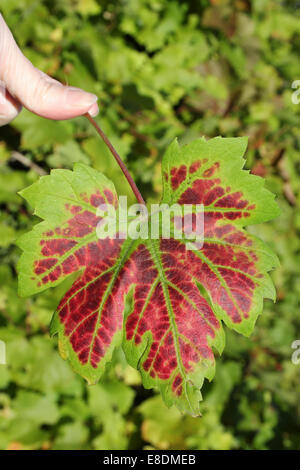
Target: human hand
[(22, 84)]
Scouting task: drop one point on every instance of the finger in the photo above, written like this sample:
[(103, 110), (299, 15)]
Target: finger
[(37, 91), (9, 106)]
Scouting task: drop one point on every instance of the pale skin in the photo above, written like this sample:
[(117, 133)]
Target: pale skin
[(22, 84)]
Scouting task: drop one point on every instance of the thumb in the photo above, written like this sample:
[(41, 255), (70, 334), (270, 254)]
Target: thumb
[(34, 89), (9, 106)]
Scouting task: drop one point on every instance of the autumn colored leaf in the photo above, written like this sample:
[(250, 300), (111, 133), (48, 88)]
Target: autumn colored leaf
[(163, 302)]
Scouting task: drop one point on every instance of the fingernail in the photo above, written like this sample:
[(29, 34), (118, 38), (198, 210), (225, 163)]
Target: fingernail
[(76, 98), (94, 110)]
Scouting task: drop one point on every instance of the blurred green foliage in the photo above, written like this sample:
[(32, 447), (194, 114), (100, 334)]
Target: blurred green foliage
[(161, 69)]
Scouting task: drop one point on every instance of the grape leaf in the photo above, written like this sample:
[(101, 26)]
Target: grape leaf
[(163, 302)]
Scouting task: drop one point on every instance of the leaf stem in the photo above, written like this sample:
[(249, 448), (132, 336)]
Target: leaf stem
[(118, 159)]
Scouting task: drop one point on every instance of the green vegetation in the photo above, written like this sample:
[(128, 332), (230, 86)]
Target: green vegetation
[(161, 69)]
